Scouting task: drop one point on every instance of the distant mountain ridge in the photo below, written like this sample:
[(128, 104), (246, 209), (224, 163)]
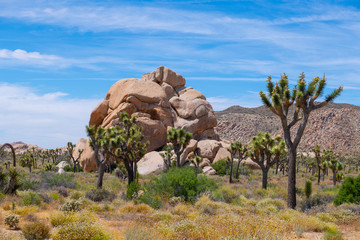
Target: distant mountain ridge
[(335, 126), (21, 147)]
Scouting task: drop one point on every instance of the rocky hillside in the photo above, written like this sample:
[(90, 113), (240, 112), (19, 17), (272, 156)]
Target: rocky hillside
[(335, 126), (21, 147)]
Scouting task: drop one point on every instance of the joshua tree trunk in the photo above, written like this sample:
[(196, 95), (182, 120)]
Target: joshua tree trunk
[(334, 177), (101, 176), (264, 178), (231, 170), (237, 169), (319, 175)]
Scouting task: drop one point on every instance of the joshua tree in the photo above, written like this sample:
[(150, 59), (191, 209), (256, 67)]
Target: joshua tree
[(70, 148), (43, 154), (333, 163), (266, 151), (237, 150), (124, 142), (27, 159), (12, 150), (167, 156), (319, 161), (179, 138), (303, 96), (13, 181), (196, 161), (96, 138)]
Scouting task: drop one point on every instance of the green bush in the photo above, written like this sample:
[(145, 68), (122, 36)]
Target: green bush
[(221, 167), (36, 231), (150, 198), (11, 220), (31, 198), (71, 205), (349, 191), (69, 168), (98, 195), (181, 182), (132, 190)]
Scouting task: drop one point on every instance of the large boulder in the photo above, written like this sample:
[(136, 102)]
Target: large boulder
[(87, 160), (222, 154), (208, 148), (79, 146), (160, 101), (99, 113), (152, 162)]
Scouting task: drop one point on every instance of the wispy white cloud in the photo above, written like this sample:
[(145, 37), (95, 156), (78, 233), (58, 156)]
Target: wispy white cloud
[(49, 120)]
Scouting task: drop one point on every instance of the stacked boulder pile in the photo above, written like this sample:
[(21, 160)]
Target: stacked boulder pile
[(160, 101)]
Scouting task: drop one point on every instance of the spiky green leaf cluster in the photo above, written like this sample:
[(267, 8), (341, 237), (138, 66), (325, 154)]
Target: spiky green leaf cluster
[(265, 150), (280, 97)]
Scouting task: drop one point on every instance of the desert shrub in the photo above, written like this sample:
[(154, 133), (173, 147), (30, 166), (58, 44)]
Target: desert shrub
[(273, 204), (138, 233), (36, 231), (136, 208), (316, 200), (2, 196), (349, 191), (27, 183), (71, 205), (54, 196), (175, 201), (332, 235), (69, 168), (221, 167), (58, 180), (80, 231), (182, 182), (63, 218), (48, 167), (76, 195), (98, 195), (132, 190), (205, 184), (150, 198), (45, 198), (31, 198), (226, 194), (63, 191), (206, 206), (11, 220)]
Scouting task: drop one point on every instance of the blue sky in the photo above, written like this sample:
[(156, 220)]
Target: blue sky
[(59, 58)]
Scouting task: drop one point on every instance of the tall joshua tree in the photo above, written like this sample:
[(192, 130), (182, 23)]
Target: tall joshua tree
[(70, 148), (266, 151), (179, 138), (124, 142), (303, 96)]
